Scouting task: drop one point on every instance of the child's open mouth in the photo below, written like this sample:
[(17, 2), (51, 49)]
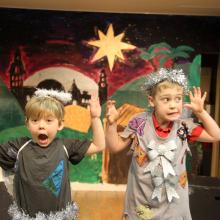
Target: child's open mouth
[(173, 113), (42, 138)]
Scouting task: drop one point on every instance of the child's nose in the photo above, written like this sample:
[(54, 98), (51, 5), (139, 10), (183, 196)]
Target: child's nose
[(41, 124), (172, 104)]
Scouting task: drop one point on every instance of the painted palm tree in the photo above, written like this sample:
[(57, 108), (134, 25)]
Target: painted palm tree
[(163, 55)]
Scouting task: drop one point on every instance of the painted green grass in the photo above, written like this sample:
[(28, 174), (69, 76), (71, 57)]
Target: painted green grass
[(11, 114)]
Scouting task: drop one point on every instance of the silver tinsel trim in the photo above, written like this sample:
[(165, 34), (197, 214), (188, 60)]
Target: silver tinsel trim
[(61, 96), (70, 213), (174, 75)]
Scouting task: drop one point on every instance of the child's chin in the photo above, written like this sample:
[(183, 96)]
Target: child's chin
[(174, 117), (43, 143)]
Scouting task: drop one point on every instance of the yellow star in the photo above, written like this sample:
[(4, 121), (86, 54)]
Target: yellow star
[(110, 46)]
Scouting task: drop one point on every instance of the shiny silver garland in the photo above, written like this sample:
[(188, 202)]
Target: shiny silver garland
[(70, 213), (173, 75)]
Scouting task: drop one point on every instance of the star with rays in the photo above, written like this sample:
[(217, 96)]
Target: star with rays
[(110, 46)]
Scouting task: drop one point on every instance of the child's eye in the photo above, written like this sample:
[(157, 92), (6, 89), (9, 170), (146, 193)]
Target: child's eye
[(165, 99), (49, 120), (178, 99)]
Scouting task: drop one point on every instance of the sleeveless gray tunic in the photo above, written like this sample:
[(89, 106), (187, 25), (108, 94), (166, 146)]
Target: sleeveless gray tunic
[(157, 187)]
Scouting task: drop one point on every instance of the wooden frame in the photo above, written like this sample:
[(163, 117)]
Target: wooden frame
[(215, 169)]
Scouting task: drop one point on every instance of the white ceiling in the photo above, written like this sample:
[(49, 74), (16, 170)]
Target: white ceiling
[(178, 7)]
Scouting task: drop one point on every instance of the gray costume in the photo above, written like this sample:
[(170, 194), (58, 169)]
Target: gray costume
[(157, 187), (41, 183)]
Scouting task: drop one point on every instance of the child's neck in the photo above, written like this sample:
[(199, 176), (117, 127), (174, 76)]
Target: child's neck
[(162, 123)]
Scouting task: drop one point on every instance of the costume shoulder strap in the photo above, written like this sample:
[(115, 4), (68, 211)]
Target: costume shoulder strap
[(22, 147), (67, 154)]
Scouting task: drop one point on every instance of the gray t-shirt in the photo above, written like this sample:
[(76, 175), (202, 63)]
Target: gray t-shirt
[(41, 182), (157, 187)]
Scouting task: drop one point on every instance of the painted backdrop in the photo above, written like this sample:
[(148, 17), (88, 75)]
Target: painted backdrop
[(84, 53)]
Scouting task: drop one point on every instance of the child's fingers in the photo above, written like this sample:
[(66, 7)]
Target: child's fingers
[(110, 109), (199, 91), (121, 110), (204, 96), (190, 95), (111, 102), (94, 97), (195, 92)]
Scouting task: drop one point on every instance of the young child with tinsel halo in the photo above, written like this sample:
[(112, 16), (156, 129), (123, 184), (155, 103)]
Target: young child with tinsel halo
[(41, 183), (157, 187)]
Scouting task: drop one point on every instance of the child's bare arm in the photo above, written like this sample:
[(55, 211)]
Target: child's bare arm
[(98, 143), (211, 132), (114, 142)]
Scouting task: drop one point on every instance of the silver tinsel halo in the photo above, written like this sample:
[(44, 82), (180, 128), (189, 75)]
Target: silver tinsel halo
[(173, 75), (61, 96)]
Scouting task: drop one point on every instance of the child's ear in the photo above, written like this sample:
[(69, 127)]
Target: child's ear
[(151, 101), (61, 125), (26, 122)]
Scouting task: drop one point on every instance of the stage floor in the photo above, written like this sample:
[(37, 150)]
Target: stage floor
[(99, 201), (105, 201)]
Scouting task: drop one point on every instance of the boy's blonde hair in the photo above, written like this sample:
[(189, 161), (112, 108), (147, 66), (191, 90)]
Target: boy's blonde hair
[(39, 107), (165, 85)]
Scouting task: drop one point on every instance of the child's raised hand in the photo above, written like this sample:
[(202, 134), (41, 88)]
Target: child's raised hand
[(196, 100), (111, 112), (94, 105)]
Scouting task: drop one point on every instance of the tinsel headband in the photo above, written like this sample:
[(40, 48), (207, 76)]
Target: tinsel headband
[(61, 96), (172, 75)]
